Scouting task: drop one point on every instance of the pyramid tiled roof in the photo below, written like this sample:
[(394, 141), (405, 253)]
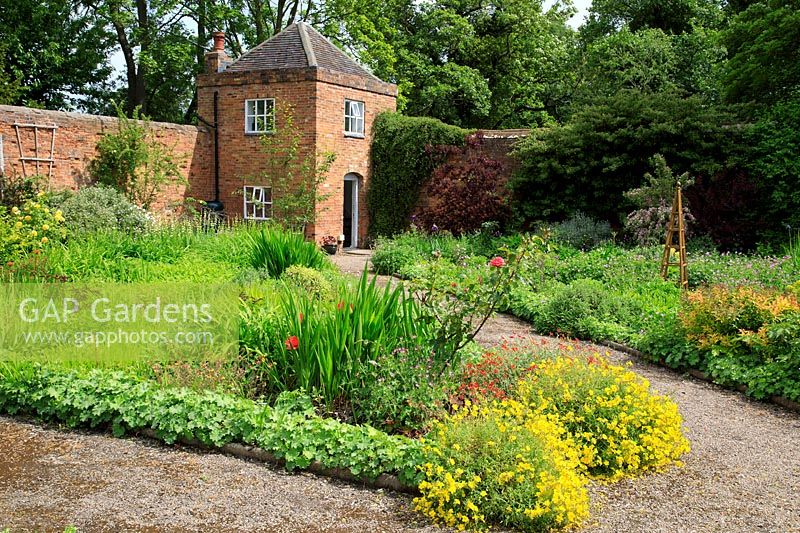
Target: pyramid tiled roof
[(299, 45)]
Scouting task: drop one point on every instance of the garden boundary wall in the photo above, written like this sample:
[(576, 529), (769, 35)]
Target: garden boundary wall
[(75, 145), (497, 145)]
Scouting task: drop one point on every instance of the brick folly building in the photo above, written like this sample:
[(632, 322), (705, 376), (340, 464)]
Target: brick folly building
[(296, 75)]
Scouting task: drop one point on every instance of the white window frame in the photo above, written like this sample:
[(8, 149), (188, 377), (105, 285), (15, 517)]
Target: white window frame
[(263, 118), (255, 206), (353, 123)]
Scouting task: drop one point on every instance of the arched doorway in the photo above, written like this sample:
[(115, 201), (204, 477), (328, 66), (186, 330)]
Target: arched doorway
[(350, 210)]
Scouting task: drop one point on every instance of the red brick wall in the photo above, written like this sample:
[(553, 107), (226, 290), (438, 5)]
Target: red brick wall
[(352, 153), (242, 156), (75, 146), (317, 99)]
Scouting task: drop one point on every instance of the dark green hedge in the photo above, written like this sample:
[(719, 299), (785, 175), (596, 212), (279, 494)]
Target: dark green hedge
[(401, 162), (605, 149)]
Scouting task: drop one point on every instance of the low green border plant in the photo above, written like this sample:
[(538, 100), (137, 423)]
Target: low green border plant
[(101, 398)]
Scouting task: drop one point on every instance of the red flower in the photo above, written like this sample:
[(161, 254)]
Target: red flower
[(340, 306), (292, 343), (301, 317), (497, 262)]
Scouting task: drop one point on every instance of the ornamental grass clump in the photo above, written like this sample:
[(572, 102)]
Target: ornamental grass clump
[(619, 426), (482, 469)]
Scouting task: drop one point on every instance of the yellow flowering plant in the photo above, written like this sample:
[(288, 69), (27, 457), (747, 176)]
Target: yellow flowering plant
[(620, 427), (30, 227), (482, 470)]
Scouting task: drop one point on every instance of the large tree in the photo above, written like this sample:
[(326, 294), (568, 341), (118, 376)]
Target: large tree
[(54, 51), (490, 64), (764, 55)]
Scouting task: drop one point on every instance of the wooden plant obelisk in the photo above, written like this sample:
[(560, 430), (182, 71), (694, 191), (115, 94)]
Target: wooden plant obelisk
[(675, 227)]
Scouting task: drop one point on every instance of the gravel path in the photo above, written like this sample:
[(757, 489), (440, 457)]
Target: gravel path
[(50, 479), (742, 475)]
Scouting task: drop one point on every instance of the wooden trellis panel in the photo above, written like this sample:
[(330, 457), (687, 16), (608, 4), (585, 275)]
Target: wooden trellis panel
[(37, 159)]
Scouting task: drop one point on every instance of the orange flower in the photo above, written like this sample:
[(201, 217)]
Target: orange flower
[(292, 343)]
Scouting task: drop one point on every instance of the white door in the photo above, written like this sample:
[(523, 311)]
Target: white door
[(350, 211)]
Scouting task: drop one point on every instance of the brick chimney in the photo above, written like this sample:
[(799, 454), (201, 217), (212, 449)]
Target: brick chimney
[(217, 60)]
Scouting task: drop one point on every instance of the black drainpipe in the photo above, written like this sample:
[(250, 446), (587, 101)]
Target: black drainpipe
[(215, 205)]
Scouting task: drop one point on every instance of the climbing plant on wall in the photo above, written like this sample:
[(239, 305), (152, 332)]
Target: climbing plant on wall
[(402, 159)]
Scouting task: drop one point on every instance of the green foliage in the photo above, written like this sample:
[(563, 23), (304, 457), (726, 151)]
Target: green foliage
[(274, 250), (102, 208), (581, 231), (402, 390), (583, 309), (392, 257), (168, 253), (492, 64), (773, 144), (16, 190), (605, 148), (738, 336), (310, 281), (764, 60), (28, 229), (103, 398), (133, 161), (643, 61), (320, 347), (401, 162), (52, 52), (459, 306)]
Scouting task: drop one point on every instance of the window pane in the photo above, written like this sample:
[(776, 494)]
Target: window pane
[(249, 107)]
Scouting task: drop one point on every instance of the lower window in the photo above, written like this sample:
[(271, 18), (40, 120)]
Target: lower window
[(257, 202)]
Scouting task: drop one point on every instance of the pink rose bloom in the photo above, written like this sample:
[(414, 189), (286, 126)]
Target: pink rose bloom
[(497, 262)]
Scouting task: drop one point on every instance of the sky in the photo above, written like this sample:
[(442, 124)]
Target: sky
[(583, 8)]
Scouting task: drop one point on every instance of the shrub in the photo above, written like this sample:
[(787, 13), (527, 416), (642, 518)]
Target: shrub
[(133, 161), (274, 250), (402, 390), (619, 426), (391, 257), (14, 192), (401, 162), (466, 190), (320, 348), (603, 151), (103, 208), (496, 464), (29, 228), (584, 309), (311, 281), (582, 231)]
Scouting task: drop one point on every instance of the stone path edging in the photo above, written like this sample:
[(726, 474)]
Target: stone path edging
[(777, 400)]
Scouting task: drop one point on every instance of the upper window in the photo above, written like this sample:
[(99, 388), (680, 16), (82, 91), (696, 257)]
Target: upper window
[(259, 115), (354, 117), (257, 202)]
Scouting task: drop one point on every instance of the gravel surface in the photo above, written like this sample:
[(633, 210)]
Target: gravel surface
[(742, 475), (50, 479)]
